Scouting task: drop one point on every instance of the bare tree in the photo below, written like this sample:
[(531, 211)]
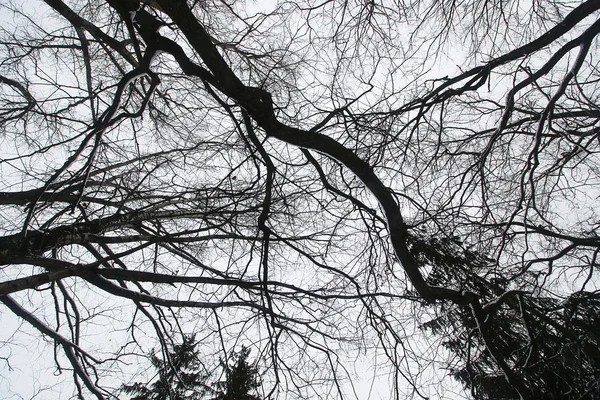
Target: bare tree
[(303, 178)]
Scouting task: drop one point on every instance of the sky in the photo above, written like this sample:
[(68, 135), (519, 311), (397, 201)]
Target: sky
[(27, 365)]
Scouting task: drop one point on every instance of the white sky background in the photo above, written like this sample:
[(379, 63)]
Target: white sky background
[(26, 350), (32, 373)]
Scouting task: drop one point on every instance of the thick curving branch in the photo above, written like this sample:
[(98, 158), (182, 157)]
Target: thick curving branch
[(262, 112)]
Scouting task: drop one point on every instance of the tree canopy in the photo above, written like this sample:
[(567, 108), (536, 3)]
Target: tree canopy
[(241, 379), (181, 375), (394, 194)]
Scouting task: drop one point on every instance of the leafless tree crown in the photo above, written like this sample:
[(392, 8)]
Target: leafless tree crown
[(408, 188)]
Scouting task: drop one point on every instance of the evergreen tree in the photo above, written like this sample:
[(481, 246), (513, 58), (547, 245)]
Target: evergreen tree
[(545, 347), (241, 379), (178, 376)]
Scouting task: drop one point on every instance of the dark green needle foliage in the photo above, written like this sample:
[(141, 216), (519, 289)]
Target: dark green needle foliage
[(550, 345), (179, 376), (241, 379)]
